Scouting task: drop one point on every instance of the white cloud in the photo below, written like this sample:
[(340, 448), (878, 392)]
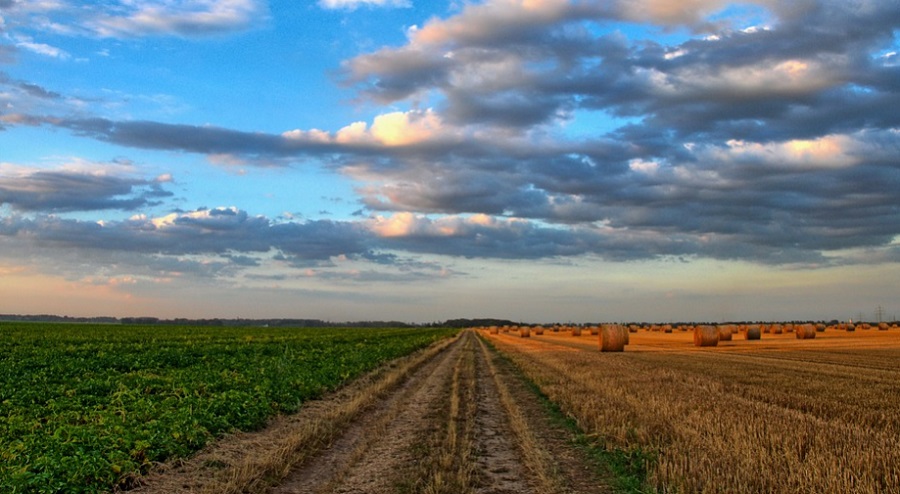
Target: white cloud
[(642, 166), (180, 17), (42, 49), (833, 151), (404, 128), (314, 135), (788, 77), (388, 129), (354, 4), (406, 224)]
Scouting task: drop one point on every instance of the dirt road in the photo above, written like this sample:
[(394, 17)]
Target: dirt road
[(456, 419)]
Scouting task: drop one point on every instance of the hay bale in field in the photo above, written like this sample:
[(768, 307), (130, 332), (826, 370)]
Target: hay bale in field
[(850, 327), (633, 328), (883, 326), (776, 329), (494, 330), (805, 331), (539, 330), (706, 335), (576, 331), (788, 328), (667, 328), (525, 332), (820, 327), (613, 338), (724, 332), (752, 332), (595, 330)]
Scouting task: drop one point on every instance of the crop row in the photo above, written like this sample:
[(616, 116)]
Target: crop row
[(87, 408)]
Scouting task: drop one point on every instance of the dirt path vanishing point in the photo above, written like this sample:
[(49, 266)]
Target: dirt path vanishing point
[(454, 419)]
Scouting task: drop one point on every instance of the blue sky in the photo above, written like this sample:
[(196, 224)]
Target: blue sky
[(538, 160)]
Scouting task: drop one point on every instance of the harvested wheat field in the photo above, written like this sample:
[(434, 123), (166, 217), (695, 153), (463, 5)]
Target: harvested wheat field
[(779, 414)]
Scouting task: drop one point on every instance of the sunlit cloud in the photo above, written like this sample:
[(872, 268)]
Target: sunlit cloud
[(825, 152)]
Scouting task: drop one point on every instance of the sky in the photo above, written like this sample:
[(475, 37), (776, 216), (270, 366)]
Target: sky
[(410, 160)]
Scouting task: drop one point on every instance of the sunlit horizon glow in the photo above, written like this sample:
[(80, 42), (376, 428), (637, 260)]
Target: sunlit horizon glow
[(420, 161)]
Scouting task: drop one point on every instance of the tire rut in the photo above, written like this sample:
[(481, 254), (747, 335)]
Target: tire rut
[(381, 442)]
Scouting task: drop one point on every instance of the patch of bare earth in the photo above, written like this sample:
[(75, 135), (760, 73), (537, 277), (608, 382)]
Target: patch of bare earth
[(453, 419)]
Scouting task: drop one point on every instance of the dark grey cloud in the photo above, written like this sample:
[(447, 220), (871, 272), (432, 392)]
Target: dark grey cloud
[(210, 242), (66, 191), (28, 88), (38, 91)]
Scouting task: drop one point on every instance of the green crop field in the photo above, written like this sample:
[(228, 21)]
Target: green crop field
[(85, 408)]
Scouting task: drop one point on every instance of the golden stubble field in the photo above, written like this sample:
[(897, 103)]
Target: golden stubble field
[(779, 414)]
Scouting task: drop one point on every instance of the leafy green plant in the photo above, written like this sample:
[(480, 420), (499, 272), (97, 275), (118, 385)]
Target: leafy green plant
[(84, 408)]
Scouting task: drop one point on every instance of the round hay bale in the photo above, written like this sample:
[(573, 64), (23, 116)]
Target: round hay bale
[(576, 331), (613, 338), (820, 328), (667, 328), (883, 326), (776, 329), (633, 328), (525, 332), (539, 330), (706, 335), (752, 332), (724, 332), (494, 330), (788, 328), (595, 330), (850, 327), (805, 331)]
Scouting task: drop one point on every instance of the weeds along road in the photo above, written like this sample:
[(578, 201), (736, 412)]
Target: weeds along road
[(452, 419)]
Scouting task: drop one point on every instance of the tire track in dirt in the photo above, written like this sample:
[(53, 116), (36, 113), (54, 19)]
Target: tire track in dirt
[(463, 423), (383, 442), (444, 431)]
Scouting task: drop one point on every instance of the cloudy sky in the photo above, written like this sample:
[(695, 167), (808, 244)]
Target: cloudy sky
[(538, 160)]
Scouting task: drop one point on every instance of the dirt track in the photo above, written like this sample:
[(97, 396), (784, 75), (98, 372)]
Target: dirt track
[(457, 420)]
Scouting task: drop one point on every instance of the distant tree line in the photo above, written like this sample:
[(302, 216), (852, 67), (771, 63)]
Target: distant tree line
[(280, 322), (318, 323)]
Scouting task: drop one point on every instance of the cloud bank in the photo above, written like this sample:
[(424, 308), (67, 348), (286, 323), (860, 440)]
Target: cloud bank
[(760, 132)]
